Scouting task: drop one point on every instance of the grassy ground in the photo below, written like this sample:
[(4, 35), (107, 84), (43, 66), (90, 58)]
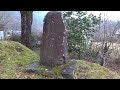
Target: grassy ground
[(113, 60), (36, 50), (15, 58), (88, 70)]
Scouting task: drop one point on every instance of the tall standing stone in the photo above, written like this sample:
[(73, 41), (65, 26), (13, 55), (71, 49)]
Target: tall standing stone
[(53, 50)]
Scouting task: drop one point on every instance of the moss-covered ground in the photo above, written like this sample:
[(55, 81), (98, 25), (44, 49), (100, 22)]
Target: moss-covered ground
[(15, 58)]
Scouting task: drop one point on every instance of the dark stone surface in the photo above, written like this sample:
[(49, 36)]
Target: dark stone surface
[(54, 50), (69, 71)]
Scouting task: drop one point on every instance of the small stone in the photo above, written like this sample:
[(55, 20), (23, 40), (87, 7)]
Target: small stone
[(64, 71), (32, 68), (46, 69)]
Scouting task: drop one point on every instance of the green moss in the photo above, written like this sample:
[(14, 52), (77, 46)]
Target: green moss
[(14, 56), (49, 73), (68, 63), (87, 70), (57, 71), (40, 68)]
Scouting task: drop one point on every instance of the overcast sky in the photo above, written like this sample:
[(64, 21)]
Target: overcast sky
[(113, 15)]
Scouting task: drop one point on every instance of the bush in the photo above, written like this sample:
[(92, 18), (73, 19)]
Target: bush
[(79, 30), (34, 39), (16, 38)]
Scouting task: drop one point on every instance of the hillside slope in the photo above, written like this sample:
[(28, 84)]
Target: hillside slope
[(88, 70), (15, 58)]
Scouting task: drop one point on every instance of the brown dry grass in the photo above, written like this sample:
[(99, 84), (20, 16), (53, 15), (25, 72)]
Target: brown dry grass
[(113, 62)]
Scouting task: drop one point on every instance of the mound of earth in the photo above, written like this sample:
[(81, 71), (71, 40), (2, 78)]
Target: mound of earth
[(15, 58), (88, 70), (83, 70)]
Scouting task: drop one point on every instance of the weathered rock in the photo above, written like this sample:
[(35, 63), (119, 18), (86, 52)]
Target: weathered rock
[(32, 68), (69, 71), (53, 49)]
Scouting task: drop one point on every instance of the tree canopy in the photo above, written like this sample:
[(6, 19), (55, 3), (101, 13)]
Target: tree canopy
[(80, 26)]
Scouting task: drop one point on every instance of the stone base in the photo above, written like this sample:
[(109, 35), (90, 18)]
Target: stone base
[(69, 71)]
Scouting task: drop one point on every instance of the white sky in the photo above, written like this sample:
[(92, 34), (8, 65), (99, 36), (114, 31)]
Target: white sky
[(113, 15)]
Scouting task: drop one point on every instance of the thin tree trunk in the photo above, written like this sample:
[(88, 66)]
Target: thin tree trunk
[(26, 24)]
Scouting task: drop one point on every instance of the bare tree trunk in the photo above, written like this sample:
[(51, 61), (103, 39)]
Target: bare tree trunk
[(26, 23)]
